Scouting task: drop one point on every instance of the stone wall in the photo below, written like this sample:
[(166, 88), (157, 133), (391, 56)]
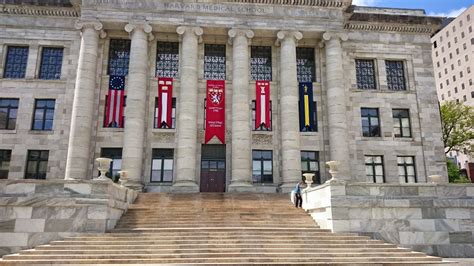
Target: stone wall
[(34, 212), (434, 218)]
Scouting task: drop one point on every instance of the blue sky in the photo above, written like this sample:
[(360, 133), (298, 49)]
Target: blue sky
[(445, 8)]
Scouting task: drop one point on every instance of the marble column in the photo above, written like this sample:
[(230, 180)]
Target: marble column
[(336, 102), (135, 116), (78, 155), (241, 131), (290, 132), (186, 127)]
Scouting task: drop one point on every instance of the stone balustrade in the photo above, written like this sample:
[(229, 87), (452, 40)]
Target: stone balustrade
[(434, 218), (34, 212)]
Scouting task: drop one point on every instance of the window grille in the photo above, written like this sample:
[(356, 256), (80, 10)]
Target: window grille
[(365, 72), (119, 57), (37, 164), (214, 62), (51, 62), (167, 59), (16, 61), (261, 63), (305, 64), (395, 75)]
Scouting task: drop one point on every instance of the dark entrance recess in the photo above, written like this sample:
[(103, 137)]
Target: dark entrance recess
[(213, 168)]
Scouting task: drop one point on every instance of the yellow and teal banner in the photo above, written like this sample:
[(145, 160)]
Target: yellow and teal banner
[(306, 106)]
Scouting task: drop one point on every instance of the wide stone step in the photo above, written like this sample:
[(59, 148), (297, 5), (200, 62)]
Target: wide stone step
[(183, 237), (211, 241), (240, 260), (325, 250)]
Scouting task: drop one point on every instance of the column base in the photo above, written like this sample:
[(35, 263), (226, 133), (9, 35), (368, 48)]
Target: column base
[(288, 187), (185, 187), (241, 186)]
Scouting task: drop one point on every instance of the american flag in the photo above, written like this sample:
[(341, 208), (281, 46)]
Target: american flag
[(115, 102)]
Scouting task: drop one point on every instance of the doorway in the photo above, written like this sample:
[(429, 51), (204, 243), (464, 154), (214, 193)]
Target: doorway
[(213, 168)]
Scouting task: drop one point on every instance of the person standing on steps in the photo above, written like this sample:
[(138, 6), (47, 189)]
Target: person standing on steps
[(298, 198)]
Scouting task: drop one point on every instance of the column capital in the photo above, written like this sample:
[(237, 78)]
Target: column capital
[(140, 25), (332, 35), (83, 24), (195, 31), (234, 32), (292, 35)]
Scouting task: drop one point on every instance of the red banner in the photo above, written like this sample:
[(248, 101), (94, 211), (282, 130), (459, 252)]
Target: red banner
[(165, 100), (262, 104), (215, 110)]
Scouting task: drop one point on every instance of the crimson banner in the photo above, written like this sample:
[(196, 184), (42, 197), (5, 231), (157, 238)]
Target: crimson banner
[(262, 104), (215, 110), (165, 98)]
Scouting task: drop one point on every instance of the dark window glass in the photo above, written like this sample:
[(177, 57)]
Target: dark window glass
[(401, 123), (116, 165), (162, 165), (44, 115), (374, 169), (261, 63), (15, 64), (214, 61), (167, 59), (8, 113), (5, 158), (51, 62), (306, 67), (406, 169), (173, 115), (37, 164), (365, 72), (262, 166), (262, 127), (370, 122), (395, 75), (310, 164), (119, 56)]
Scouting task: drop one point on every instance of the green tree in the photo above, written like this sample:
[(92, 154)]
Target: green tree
[(453, 172), (458, 127)]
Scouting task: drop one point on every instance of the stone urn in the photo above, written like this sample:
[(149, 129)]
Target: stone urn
[(435, 179), (308, 179), (123, 177), (333, 169), (104, 167)]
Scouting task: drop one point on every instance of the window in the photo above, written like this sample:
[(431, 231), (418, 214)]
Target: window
[(438, 64), (262, 166), (310, 164), (370, 122), (37, 164), (8, 113), (173, 115), (449, 44), (450, 56), (455, 89), (468, 70), (435, 45), (15, 64), (312, 128), (51, 62), (463, 35), (457, 50), (262, 127), (455, 39), (214, 61), (261, 63), (461, 74), (449, 93), (116, 165), (441, 85), (447, 82), (439, 74), (406, 169), (44, 114), (5, 158), (374, 168), (464, 98), (472, 94), (119, 56), (466, 58), (162, 165), (442, 97), (395, 75), (463, 86), (305, 64), (464, 46), (365, 72), (442, 50), (167, 59), (437, 54), (401, 123), (454, 78), (459, 62), (452, 67), (444, 60), (454, 28)]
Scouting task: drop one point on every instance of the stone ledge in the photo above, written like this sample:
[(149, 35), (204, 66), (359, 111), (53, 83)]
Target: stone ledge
[(38, 211)]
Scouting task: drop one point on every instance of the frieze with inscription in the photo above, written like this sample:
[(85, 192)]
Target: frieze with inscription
[(237, 9)]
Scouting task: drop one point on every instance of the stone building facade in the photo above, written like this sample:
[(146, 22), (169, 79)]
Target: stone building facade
[(375, 105)]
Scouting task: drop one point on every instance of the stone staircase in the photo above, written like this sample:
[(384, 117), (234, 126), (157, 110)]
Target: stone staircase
[(218, 229)]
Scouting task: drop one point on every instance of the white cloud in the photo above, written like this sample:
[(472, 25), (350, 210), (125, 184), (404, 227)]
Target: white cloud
[(451, 13), (364, 2)]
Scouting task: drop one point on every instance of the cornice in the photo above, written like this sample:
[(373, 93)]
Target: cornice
[(321, 3), (39, 11), (405, 28)]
